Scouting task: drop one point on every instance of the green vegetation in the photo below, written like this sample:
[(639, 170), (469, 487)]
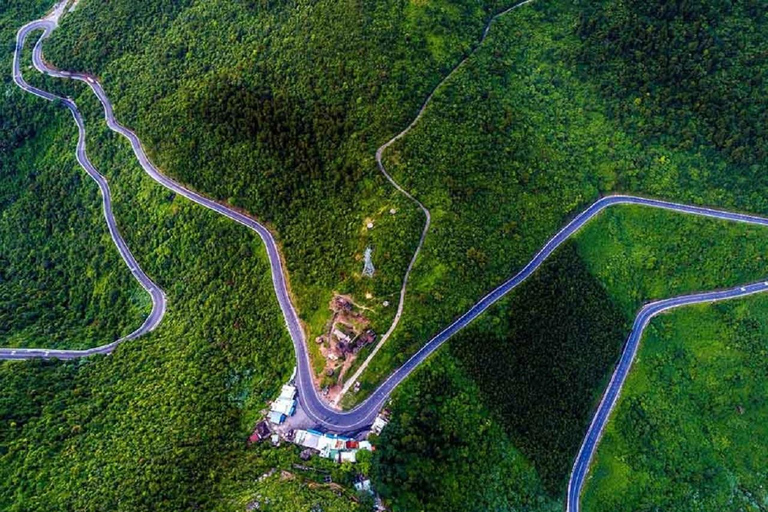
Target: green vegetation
[(691, 74), (62, 281), (688, 431), (641, 254), (445, 451), (560, 331), (283, 492), (519, 139), (155, 425), (538, 360), (515, 143), (487, 426), (160, 424), (278, 109)]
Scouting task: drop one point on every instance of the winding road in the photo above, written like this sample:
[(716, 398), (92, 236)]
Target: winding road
[(611, 395), (363, 415), (428, 217), (155, 292)]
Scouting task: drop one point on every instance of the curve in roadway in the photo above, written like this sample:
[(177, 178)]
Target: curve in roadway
[(428, 218), (362, 416), (155, 292), (611, 395)]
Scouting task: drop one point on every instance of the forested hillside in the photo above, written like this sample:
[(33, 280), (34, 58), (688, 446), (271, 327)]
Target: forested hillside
[(161, 424), (525, 135), (520, 140), (62, 282), (691, 73), (277, 108), (538, 360), (689, 430), (446, 450)]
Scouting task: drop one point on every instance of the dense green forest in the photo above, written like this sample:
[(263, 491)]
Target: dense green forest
[(445, 450), (539, 359), (692, 74), (283, 122), (277, 108), (161, 424), (62, 281), (564, 143), (519, 140), (529, 132), (689, 431), (490, 425)]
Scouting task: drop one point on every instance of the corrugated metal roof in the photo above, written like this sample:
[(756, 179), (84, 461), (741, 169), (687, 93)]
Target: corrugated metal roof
[(288, 392), (307, 439), (286, 407)]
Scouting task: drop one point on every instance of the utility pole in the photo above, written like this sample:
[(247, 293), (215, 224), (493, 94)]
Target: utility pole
[(368, 270)]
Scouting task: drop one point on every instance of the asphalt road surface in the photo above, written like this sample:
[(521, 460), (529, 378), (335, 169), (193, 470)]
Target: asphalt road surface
[(428, 217), (611, 395), (156, 294), (363, 415)]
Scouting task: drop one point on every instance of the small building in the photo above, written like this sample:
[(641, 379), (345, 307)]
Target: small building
[(260, 432), (284, 406), (330, 446), (363, 484), (378, 424), (341, 336), (288, 392), (330, 454), (307, 439), (341, 304)]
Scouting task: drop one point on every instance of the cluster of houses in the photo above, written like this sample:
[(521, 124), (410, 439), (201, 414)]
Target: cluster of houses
[(337, 448), (330, 446), (284, 406), (346, 344)]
